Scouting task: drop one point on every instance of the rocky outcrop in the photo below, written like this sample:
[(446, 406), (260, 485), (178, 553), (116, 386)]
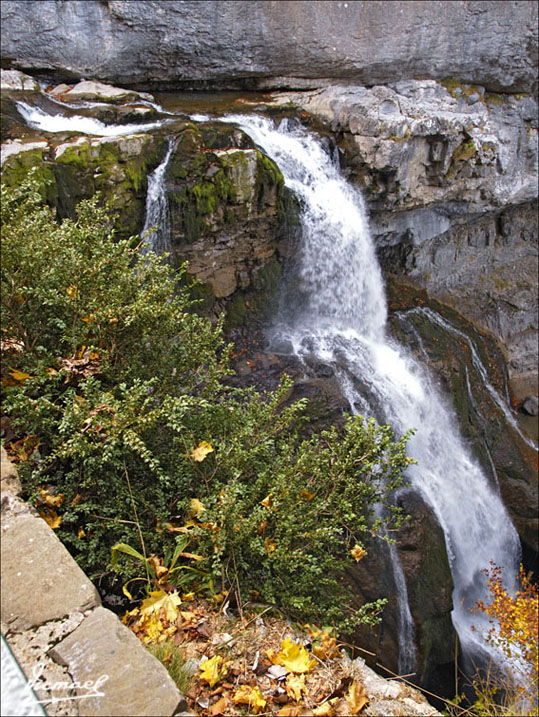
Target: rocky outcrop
[(226, 201), (449, 173), (226, 198), (78, 168), (294, 44)]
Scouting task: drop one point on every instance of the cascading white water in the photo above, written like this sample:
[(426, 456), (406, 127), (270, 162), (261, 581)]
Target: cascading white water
[(157, 222), (39, 119), (340, 318)]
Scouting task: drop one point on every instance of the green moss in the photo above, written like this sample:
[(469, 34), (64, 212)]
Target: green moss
[(493, 99), (461, 89), (269, 179), (464, 152), (17, 166)]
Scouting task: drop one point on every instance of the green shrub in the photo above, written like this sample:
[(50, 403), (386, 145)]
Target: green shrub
[(119, 381)]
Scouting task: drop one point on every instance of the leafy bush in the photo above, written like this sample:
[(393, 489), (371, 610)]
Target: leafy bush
[(132, 434)]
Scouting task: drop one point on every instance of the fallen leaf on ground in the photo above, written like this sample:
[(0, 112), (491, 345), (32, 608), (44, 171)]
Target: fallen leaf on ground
[(357, 697), (295, 687), (219, 707), (212, 670), (251, 696), (294, 657), (327, 709), (158, 600), (290, 711)]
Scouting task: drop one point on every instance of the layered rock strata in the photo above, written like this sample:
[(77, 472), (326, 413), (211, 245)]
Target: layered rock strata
[(273, 44)]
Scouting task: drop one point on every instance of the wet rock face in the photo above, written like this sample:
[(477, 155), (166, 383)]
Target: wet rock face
[(422, 553), (487, 269), (294, 44), (507, 459)]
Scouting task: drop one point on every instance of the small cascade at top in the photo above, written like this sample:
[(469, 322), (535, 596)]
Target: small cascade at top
[(156, 231), (339, 316)]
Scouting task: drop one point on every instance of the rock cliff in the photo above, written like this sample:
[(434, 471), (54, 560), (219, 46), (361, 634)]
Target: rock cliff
[(273, 44)]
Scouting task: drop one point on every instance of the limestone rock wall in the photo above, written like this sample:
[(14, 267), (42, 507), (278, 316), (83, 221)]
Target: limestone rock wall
[(273, 44)]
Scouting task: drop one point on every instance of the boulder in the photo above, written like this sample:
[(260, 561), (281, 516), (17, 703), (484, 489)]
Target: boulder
[(15, 80), (9, 477), (286, 44), (97, 91), (530, 406)]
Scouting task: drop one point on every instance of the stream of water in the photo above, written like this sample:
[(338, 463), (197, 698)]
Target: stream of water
[(156, 231), (339, 316)]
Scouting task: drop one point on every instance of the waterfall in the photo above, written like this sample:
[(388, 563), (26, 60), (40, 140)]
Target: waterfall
[(338, 314), (156, 229)]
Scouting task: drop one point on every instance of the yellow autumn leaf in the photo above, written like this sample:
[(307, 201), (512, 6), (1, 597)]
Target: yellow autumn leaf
[(71, 291), (295, 687), (251, 696), (196, 507), (326, 646), (19, 376), (81, 534), (294, 657), (201, 451), (290, 711), (219, 707), (49, 499), (158, 600), (357, 697), (51, 371), (270, 545), (305, 494), (152, 627), (188, 616), (358, 553), (267, 502), (188, 597), (327, 709), (51, 517), (89, 319), (158, 567), (212, 670)]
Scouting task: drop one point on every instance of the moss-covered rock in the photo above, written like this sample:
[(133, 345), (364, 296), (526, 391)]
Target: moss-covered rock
[(74, 170), (227, 216)]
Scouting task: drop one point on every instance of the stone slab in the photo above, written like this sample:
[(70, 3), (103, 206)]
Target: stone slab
[(113, 674), (40, 579), (8, 472)]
